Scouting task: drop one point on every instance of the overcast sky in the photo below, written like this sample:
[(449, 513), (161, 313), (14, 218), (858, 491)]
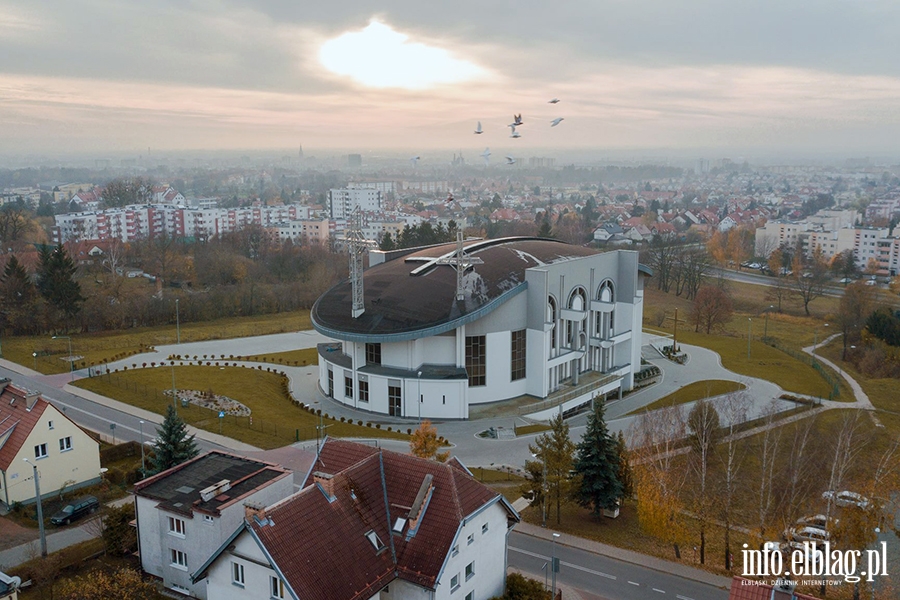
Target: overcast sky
[(93, 75)]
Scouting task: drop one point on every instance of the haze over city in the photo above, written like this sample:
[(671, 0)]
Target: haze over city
[(803, 79)]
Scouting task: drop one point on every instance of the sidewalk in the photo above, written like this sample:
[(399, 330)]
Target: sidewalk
[(629, 556)]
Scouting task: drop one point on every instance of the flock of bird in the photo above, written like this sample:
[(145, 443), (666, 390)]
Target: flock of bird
[(514, 133)]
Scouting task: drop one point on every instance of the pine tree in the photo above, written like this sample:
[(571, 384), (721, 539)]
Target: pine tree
[(17, 298), (56, 282), (597, 465), (555, 449), (173, 445), (626, 477), (425, 443)]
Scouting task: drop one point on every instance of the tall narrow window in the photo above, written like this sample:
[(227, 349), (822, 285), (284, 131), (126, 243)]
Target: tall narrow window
[(475, 360), (373, 354), (237, 574), (517, 356), (348, 387), (276, 588), (363, 389)]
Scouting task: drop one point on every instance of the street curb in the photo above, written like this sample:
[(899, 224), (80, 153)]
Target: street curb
[(629, 556)]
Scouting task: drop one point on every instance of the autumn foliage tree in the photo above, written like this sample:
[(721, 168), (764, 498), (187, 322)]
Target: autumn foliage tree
[(555, 450), (425, 443), (712, 308), (123, 584)]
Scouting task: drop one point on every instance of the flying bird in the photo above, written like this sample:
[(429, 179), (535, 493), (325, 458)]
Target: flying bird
[(414, 160), (514, 133), (478, 129), (556, 121), (510, 160), (486, 155), (554, 101), (517, 119)]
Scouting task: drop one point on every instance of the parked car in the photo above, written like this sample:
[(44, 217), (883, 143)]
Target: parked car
[(816, 521), (806, 534), (75, 509), (846, 498), (846, 280)]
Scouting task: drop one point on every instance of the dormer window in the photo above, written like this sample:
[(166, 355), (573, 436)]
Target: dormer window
[(399, 524), (375, 540)]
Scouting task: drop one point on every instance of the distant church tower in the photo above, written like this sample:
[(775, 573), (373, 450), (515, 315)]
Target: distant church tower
[(300, 153)]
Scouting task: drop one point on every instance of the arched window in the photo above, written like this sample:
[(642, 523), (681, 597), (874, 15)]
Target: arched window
[(606, 292), (551, 318)]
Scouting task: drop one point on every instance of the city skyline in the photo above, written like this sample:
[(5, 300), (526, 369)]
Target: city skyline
[(87, 76)]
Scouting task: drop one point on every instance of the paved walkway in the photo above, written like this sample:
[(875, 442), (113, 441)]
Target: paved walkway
[(862, 399)]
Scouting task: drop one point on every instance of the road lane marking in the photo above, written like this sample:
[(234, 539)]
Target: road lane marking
[(659, 590), (634, 583), (570, 565), (680, 597)]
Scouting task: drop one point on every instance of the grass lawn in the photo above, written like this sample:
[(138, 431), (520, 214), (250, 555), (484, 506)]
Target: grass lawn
[(694, 391), (275, 420), (100, 347), (302, 357), (506, 481)]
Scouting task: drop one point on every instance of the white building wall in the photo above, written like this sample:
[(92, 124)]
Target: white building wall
[(219, 584)]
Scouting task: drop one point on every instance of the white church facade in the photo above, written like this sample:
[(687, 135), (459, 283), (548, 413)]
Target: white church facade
[(527, 316)]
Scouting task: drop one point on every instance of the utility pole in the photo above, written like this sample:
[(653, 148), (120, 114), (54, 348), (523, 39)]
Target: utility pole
[(675, 335), (749, 335), (177, 323), (40, 511), (554, 565)]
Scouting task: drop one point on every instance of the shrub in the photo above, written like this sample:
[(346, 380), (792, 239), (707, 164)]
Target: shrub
[(377, 425), (359, 422)]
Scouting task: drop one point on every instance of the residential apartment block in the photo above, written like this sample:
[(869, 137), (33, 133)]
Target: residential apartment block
[(343, 202)]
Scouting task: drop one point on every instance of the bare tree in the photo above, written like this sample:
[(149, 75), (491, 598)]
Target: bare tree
[(799, 476), (810, 284), (658, 481), (767, 457), (846, 448), (14, 223), (856, 305), (711, 308), (703, 423), (734, 410)]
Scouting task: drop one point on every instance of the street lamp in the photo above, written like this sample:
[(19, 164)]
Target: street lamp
[(419, 385), (177, 323), (71, 361), (40, 510), (174, 395), (749, 335), (143, 468), (34, 356), (766, 328), (554, 565), (543, 490)]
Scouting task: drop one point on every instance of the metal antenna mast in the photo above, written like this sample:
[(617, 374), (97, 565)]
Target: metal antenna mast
[(461, 263), (358, 247)]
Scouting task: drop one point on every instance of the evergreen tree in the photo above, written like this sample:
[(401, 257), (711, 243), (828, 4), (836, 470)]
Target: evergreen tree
[(173, 445), (555, 449), (387, 242), (597, 465), (544, 230), (626, 477), (56, 282), (17, 298)]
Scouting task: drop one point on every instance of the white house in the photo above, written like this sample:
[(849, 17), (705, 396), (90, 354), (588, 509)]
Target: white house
[(526, 316), (32, 429), (370, 523), (185, 513)]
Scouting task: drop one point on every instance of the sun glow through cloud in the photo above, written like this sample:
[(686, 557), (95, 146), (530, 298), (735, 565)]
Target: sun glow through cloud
[(380, 57)]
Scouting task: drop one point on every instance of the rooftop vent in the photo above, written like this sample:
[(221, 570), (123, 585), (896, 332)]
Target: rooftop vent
[(207, 494)]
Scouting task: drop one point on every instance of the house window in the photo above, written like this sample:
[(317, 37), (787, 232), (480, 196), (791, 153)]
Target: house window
[(50, 424), (176, 526), (373, 354), (470, 540), (484, 528), (40, 451), (65, 443), (375, 540), (470, 570), (454, 583), (517, 356), (276, 587), (475, 360), (455, 550), (470, 596), (363, 389), (237, 574), (178, 559), (348, 387)]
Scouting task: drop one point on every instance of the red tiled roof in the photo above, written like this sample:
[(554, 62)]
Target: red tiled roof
[(314, 540), (16, 421)]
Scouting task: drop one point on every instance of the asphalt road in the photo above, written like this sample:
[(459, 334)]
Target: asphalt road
[(96, 416), (605, 577)]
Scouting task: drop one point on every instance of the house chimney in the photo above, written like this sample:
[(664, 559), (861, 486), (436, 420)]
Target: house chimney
[(418, 506), (325, 482), (255, 510), (30, 399)]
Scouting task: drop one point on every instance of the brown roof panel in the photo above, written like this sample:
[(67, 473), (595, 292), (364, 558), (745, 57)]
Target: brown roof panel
[(399, 301), (16, 422)]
